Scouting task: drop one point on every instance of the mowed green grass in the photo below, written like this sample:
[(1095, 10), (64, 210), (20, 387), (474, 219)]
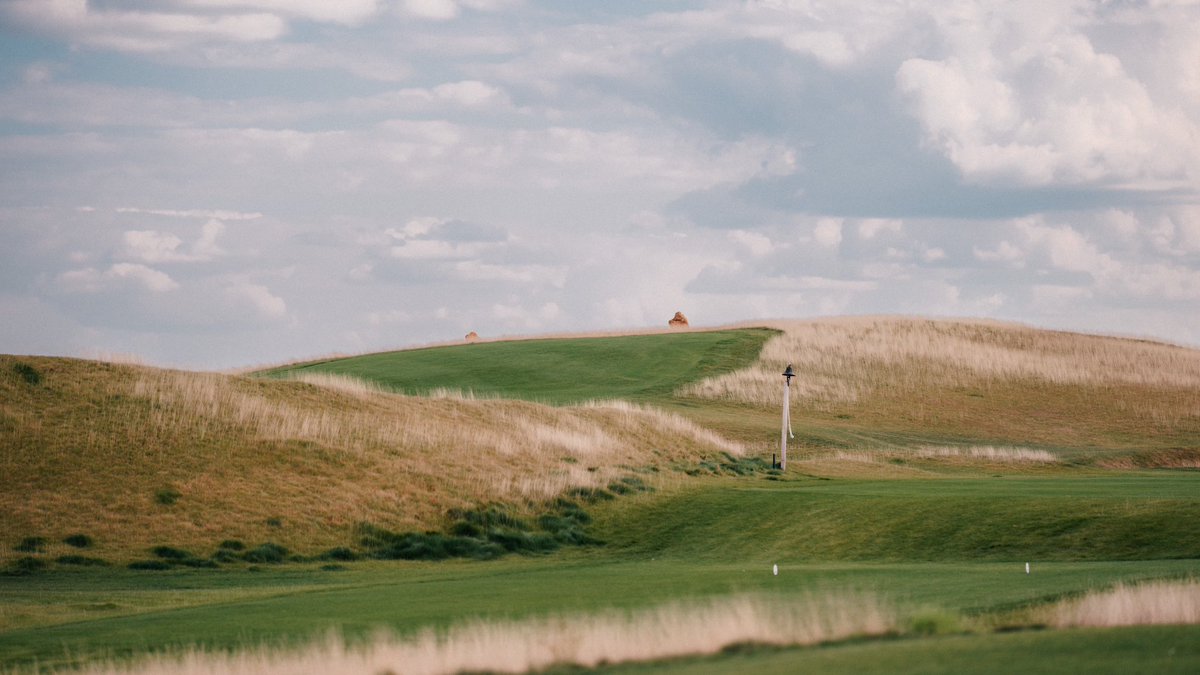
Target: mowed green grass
[(918, 543), (1145, 516), (1116, 651), (292, 605), (637, 368)]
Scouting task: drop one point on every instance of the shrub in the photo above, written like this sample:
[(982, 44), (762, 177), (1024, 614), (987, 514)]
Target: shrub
[(225, 556), (231, 545), (171, 553), (266, 553), (167, 496), (193, 561), (79, 541), (275, 522), (25, 566), (592, 495), (339, 553), (81, 560), (31, 545), (27, 372), (149, 565)]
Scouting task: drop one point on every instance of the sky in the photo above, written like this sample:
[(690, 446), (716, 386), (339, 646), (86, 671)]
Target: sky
[(221, 183)]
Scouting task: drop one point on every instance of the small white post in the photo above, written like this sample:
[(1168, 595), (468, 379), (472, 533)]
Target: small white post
[(1026, 568)]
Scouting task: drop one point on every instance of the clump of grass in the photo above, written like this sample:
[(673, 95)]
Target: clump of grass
[(232, 545), (340, 553), (934, 621), (167, 496), (1149, 603), (266, 553), (170, 553), (156, 565), (275, 521), (81, 560), (674, 630), (27, 373), (31, 545), (179, 557), (25, 566), (484, 533), (79, 541)]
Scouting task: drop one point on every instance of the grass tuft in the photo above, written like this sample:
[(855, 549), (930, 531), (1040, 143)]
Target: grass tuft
[(79, 541), (166, 496), (81, 560), (27, 373), (266, 553), (1148, 603), (31, 545)]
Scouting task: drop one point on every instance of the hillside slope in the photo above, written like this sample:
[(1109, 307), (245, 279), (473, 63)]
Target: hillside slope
[(893, 382), (135, 457), (643, 368)]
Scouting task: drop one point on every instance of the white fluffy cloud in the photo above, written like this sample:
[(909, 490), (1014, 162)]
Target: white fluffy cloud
[(1032, 100), (408, 170)]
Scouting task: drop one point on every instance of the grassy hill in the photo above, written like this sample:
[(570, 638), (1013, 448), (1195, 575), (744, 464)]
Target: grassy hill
[(643, 368), (135, 457), (931, 460)]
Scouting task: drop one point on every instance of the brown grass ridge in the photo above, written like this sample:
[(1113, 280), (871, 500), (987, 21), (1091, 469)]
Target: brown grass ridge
[(95, 448)]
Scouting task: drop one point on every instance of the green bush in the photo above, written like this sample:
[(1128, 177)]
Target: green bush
[(25, 566), (266, 553), (149, 565), (339, 553), (171, 553), (31, 545), (79, 541), (81, 560), (27, 372), (167, 496), (231, 545)]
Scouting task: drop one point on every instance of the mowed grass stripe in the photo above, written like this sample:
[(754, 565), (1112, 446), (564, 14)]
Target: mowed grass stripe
[(1145, 517), (557, 371)]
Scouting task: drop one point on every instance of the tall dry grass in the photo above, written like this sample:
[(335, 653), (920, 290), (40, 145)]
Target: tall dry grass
[(985, 454), (1148, 603), (842, 360), (674, 630), (88, 450)]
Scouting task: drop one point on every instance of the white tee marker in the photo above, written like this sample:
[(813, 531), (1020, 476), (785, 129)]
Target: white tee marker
[(1026, 568), (775, 570)]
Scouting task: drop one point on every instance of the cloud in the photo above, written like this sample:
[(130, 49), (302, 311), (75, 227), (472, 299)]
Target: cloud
[(92, 281), (828, 232), (156, 247), (757, 244), (258, 297), (137, 30), (216, 214), (1048, 107)]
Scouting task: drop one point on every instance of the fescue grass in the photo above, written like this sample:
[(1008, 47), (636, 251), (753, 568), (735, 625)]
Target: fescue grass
[(986, 382), (676, 629), (1142, 604), (139, 457)]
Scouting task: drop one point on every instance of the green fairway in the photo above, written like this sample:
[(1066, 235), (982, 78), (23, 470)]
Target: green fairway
[(559, 371), (916, 543), (290, 605), (1116, 517)]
